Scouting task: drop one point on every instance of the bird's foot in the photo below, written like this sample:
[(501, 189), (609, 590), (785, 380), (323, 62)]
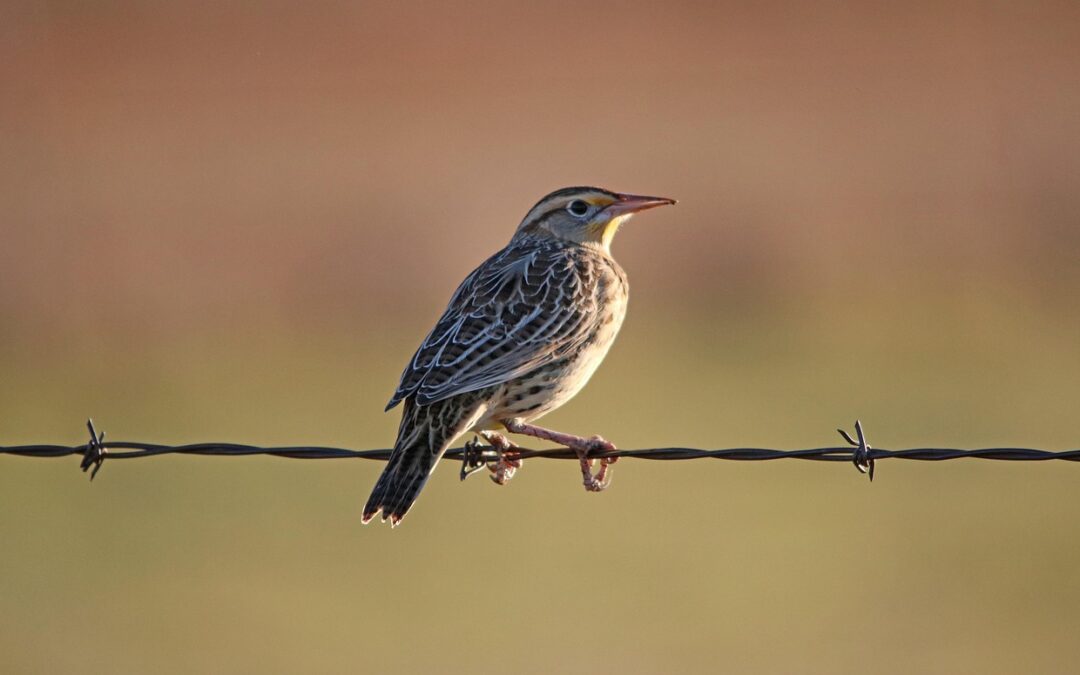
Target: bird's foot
[(582, 446), (504, 468), (599, 481)]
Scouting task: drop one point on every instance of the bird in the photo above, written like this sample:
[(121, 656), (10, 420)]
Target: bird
[(521, 335)]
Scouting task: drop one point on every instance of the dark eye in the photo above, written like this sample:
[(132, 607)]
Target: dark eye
[(578, 207)]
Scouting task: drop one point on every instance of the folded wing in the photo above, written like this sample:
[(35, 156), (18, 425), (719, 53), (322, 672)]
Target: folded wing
[(524, 307)]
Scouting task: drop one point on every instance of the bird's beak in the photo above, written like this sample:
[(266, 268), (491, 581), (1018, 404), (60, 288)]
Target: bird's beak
[(634, 203)]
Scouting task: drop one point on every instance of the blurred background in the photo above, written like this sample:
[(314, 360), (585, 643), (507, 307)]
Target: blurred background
[(235, 221)]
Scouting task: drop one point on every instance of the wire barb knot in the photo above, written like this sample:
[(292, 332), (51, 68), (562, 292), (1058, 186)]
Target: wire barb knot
[(860, 456), (472, 458), (95, 452)]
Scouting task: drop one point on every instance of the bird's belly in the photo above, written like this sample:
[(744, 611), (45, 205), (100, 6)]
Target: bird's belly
[(552, 385)]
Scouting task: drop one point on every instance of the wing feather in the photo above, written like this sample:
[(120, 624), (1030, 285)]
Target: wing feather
[(522, 308)]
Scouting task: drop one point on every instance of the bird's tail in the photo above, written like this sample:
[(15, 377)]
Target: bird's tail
[(424, 435)]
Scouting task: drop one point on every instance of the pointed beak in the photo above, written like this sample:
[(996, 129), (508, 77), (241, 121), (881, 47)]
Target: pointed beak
[(634, 203)]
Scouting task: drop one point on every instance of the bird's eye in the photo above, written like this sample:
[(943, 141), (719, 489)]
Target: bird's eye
[(578, 207)]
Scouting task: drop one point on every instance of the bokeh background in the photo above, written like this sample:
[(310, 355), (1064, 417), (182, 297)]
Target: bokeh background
[(235, 221)]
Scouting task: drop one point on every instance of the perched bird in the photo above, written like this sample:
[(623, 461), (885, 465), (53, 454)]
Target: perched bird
[(522, 334)]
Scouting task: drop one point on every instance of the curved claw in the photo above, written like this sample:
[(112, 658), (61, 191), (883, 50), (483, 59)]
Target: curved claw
[(602, 476), (601, 481)]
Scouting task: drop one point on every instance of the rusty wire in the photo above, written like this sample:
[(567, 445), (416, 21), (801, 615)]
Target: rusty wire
[(473, 455)]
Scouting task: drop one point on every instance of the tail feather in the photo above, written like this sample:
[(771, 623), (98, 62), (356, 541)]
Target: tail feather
[(424, 435), (401, 482)]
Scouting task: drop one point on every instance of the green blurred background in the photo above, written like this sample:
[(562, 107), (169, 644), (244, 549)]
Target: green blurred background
[(235, 221)]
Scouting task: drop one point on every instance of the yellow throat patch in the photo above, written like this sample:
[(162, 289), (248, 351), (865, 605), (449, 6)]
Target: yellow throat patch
[(607, 230)]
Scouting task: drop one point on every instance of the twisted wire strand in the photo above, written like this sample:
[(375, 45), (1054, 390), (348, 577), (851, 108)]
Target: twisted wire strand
[(134, 450), (472, 455)]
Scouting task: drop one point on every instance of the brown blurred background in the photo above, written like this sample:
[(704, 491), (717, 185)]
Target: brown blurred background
[(235, 221)]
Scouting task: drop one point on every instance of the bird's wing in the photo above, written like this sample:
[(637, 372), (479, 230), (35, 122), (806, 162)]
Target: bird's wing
[(524, 307)]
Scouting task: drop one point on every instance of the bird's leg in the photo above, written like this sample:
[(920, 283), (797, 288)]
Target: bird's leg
[(503, 469), (582, 446)]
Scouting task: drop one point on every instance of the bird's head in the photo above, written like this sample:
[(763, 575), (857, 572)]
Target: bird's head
[(584, 215)]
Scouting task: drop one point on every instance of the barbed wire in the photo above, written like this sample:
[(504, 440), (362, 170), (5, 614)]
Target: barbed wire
[(473, 455)]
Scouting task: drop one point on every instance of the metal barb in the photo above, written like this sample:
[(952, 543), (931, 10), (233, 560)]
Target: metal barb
[(472, 458), (860, 456), (95, 453)]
